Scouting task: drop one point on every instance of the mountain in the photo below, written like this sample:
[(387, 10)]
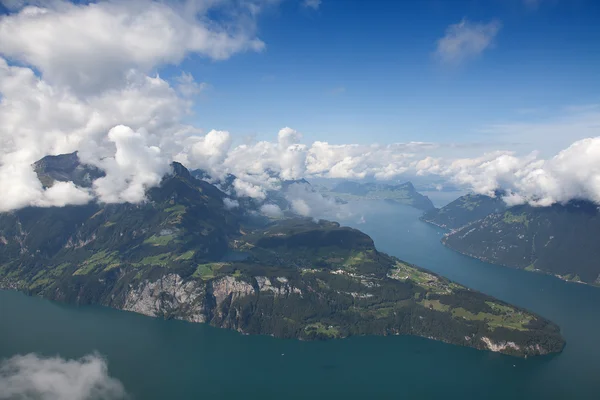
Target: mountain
[(65, 167), (464, 210), (562, 240), (183, 255), (276, 196), (404, 193)]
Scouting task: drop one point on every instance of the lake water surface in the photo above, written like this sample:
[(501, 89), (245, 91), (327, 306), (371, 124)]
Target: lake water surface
[(157, 359)]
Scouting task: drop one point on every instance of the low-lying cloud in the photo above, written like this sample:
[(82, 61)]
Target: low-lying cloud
[(54, 378), (271, 210), (574, 173), (306, 202), (105, 101)]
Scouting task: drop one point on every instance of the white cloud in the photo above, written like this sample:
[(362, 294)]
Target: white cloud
[(465, 40), (314, 4), (207, 152), (306, 202), (574, 173), (135, 167), (230, 203), (128, 122), (271, 210), (93, 94), (22, 188), (34, 377), (91, 47), (247, 189), (187, 85)]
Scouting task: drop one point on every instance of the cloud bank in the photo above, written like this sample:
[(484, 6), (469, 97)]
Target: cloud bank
[(35, 377), (83, 78)]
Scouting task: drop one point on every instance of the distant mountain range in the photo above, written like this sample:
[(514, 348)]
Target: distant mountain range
[(404, 193), (183, 255), (563, 240), (464, 210)]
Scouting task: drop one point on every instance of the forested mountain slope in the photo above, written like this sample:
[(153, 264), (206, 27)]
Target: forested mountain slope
[(562, 239), (464, 210), (182, 254)]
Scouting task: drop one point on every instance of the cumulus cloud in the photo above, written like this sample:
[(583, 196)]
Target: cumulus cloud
[(271, 210), (68, 42), (78, 81), (230, 203), (135, 167), (22, 188), (207, 152), (465, 40), (247, 189), (35, 377), (81, 77), (574, 173), (306, 202), (187, 86)]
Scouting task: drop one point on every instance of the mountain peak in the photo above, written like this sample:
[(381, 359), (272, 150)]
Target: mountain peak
[(180, 170), (65, 168), (408, 185)]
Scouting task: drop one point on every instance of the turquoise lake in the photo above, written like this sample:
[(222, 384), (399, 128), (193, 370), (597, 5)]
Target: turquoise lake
[(157, 359)]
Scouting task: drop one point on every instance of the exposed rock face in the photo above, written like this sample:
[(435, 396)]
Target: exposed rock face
[(230, 288), (284, 289), (167, 296), (499, 346), (196, 301)]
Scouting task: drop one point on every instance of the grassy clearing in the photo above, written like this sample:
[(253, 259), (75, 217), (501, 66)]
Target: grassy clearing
[(469, 204), (208, 271), (429, 282), (176, 213), (510, 218), (59, 269), (158, 240), (111, 266), (500, 308), (177, 209), (511, 320), (321, 329), (188, 255), (356, 259), (101, 258), (40, 283), (434, 305), (383, 312), (162, 260), (405, 272)]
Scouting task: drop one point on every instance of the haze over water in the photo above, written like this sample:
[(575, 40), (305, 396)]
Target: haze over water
[(157, 359)]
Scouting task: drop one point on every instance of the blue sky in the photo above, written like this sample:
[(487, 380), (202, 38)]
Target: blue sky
[(365, 71), (484, 82)]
